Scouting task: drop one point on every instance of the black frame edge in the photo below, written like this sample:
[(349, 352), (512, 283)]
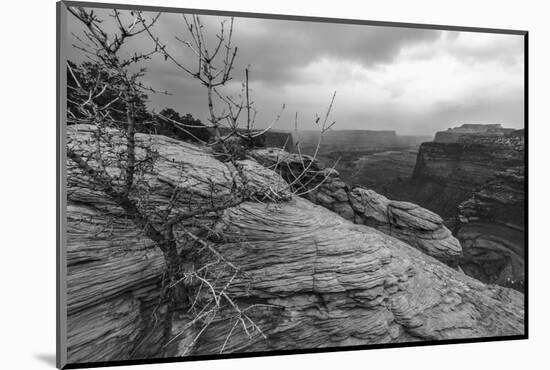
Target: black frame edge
[(58, 364), (61, 266), (293, 17), (526, 180)]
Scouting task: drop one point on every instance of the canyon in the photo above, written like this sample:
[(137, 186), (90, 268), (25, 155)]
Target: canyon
[(324, 264), (472, 176), (476, 181)]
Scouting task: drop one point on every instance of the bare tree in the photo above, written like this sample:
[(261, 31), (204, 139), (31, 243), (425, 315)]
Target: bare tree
[(121, 168), (213, 70)]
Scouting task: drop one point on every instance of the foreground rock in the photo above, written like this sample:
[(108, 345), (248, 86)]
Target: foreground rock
[(335, 283), (406, 221), (312, 279), (114, 271)]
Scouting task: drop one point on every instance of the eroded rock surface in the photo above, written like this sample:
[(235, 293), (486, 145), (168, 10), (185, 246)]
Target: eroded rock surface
[(468, 130), (409, 222), (406, 221), (447, 173), (336, 283), (491, 227), (109, 258), (312, 278)]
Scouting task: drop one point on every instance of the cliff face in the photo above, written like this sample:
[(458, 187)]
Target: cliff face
[(491, 229), (310, 278), (470, 162), (452, 135), (476, 183)]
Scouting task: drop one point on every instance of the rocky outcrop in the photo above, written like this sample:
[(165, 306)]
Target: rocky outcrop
[(491, 228), (415, 225), (476, 183), (409, 222), (468, 130), (114, 271), (310, 279), (446, 174), (328, 282)]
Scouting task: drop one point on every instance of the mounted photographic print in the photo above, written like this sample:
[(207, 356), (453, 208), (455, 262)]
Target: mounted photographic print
[(235, 184)]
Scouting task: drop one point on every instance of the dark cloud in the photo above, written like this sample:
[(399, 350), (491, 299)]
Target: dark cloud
[(283, 47), (472, 48), (379, 73)]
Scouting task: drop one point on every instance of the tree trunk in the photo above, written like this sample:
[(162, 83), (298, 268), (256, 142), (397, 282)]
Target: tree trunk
[(176, 295)]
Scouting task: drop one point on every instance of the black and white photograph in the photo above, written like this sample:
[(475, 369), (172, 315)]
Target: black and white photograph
[(244, 184)]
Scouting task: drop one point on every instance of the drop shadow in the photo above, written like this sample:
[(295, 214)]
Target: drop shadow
[(46, 358)]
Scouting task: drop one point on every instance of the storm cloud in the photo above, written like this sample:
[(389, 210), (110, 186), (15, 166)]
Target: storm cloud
[(414, 81)]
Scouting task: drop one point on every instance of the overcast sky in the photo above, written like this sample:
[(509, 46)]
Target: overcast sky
[(387, 78)]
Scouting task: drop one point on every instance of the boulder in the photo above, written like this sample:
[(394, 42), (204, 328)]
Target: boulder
[(409, 222)]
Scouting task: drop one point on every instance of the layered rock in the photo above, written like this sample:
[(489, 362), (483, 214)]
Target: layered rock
[(328, 282), (114, 271), (491, 228), (447, 173), (409, 222), (311, 278), (452, 135), (475, 181)]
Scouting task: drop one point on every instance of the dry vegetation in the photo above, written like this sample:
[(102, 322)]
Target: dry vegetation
[(120, 169)]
